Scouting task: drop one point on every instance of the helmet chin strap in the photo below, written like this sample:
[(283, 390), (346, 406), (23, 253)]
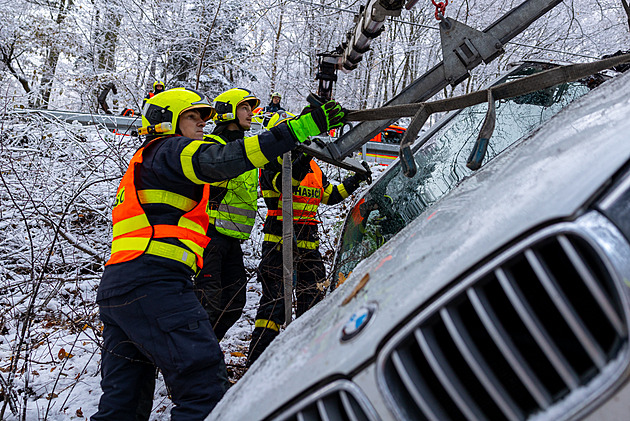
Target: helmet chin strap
[(236, 123)]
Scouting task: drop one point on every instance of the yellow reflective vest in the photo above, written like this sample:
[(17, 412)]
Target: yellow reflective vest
[(236, 214)]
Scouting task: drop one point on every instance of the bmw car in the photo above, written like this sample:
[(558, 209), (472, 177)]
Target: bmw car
[(500, 293)]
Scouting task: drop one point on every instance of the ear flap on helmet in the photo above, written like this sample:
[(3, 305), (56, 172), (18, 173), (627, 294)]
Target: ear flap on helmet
[(156, 114), (223, 107)]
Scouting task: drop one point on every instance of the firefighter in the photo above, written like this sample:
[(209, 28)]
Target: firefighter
[(158, 87), (274, 105), (310, 188), (221, 284), (150, 313)]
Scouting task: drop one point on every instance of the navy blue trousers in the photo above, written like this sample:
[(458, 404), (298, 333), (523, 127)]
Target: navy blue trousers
[(222, 283), (159, 324), (309, 270)]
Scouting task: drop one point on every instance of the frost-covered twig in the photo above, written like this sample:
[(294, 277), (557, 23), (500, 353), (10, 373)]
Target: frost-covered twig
[(74, 241)]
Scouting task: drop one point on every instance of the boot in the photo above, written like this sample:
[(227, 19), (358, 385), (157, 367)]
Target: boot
[(261, 338)]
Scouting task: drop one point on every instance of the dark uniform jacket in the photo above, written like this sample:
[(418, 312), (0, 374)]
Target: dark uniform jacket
[(162, 169), (273, 108), (271, 179)]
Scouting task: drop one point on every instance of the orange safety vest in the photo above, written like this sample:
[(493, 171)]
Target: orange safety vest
[(306, 199), (135, 236)]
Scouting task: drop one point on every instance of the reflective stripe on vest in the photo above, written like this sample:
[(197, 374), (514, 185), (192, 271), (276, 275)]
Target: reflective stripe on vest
[(269, 194), (267, 324), (131, 246), (306, 198), (166, 197), (135, 236), (303, 244), (236, 214)]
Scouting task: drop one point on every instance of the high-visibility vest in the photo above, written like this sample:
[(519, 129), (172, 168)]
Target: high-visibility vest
[(236, 214), (135, 236), (306, 198)]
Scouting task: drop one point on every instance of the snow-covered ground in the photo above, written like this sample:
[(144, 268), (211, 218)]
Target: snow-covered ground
[(57, 182)]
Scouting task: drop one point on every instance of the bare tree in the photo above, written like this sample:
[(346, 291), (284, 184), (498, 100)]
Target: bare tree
[(60, 9)]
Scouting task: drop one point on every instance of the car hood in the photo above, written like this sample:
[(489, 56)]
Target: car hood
[(548, 176)]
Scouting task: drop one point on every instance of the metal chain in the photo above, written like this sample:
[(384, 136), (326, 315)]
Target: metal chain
[(440, 9)]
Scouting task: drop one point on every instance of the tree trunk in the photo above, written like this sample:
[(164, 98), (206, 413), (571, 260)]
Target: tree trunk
[(48, 77), (109, 27), (52, 58), (274, 64), (7, 58)]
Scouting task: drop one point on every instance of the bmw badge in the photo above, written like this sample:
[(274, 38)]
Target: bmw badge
[(357, 323)]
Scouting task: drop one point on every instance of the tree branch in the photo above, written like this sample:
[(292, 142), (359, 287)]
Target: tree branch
[(626, 7)]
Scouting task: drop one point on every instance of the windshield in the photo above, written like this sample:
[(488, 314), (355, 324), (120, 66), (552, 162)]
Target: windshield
[(395, 200)]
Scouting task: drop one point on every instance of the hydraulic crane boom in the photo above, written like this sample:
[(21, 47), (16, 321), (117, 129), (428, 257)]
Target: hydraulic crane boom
[(463, 49)]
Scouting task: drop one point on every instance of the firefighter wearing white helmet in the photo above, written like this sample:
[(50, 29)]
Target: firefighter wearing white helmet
[(274, 104), (151, 315), (311, 188)]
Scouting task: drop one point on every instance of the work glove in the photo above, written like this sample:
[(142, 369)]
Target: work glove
[(301, 166), (367, 176), (319, 120)]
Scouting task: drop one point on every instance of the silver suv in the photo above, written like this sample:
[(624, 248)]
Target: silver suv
[(498, 294)]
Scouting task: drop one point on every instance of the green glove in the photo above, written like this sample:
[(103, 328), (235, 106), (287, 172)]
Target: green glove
[(319, 120)]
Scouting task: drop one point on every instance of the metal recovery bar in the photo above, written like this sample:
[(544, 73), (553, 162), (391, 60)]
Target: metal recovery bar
[(464, 48)]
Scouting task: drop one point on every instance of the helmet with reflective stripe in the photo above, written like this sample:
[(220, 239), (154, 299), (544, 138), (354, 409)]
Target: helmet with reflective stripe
[(277, 118), (167, 106), (276, 94), (226, 103), (158, 82)]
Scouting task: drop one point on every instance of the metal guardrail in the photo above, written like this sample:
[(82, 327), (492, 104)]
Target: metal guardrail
[(111, 122), (381, 153)]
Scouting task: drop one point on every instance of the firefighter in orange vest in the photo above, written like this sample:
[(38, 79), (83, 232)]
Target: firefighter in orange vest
[(310, 189), (150, 313), (158, 87)]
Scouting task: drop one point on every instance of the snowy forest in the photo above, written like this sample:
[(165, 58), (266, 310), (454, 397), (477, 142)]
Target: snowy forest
[(58, 180)]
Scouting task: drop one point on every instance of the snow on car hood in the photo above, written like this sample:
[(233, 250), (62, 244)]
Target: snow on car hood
[(547, 177)]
